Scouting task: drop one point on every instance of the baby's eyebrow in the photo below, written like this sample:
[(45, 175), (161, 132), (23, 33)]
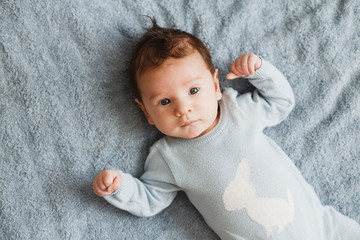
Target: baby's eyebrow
[(154, 97), (192, 80)]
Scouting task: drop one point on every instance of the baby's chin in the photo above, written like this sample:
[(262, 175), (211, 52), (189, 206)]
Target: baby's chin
[(193, 134)]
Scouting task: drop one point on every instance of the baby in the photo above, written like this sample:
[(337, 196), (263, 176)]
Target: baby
[(214, 148)]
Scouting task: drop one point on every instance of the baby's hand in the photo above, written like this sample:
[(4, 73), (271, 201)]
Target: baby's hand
[(245, 65), (107, 182)]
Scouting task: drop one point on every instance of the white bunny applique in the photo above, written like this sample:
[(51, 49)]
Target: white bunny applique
[(268, 212)]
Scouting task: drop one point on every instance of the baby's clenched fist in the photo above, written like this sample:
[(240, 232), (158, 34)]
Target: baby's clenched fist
[(245, 65), (107, 182)]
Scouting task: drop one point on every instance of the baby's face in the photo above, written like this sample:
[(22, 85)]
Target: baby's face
[(180, 97)]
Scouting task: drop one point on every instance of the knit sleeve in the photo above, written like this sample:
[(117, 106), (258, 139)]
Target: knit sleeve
[(149, 195), (273, 98)]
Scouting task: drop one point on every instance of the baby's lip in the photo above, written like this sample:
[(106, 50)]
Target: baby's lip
[(188, 123)]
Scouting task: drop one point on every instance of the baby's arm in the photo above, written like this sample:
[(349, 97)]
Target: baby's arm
[(273, 98), (144, 197)]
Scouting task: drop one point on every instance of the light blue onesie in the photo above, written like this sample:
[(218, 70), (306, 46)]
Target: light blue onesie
[(241, 182)]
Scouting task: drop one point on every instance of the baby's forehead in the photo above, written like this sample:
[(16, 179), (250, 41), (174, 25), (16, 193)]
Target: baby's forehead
[(175, 73)]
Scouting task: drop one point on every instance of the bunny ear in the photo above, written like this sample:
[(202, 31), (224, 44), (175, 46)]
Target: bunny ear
[(243, 171)]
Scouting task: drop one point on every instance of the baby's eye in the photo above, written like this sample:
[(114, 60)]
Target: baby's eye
[(165, 102), (194, 90)]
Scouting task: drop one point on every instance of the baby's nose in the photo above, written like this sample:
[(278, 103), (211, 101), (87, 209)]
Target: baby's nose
[(182, 110)]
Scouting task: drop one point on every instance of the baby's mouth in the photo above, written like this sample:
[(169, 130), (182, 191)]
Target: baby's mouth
[(188, 123)]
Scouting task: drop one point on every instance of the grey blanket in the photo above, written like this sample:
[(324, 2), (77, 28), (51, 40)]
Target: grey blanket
[(67, 112)]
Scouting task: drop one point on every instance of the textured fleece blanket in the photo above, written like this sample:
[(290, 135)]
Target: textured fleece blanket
[(66, 111)]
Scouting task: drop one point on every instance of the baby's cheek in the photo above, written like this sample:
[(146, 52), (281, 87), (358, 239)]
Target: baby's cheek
[(164, 126)]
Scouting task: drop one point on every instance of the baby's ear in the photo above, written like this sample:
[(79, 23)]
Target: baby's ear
[(217, 84), (216, 74), (142, 107)]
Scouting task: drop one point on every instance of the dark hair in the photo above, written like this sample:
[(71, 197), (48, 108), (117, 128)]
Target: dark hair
[(158, 44)]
